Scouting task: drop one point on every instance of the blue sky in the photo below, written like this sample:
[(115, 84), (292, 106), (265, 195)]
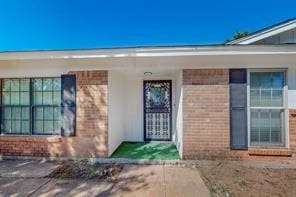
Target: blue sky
[(73, 24)]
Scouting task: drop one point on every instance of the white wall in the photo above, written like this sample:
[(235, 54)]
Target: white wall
[(116, 123), (291, 80), (133, 89), (134, 108), (179, 112), (126, 98), (37, 68)]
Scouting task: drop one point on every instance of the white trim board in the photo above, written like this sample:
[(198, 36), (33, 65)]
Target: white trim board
[(125, 53), (269, 32)]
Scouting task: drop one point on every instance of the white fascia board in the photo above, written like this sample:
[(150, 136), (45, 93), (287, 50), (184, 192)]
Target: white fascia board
[(265, 34), (151, 52)]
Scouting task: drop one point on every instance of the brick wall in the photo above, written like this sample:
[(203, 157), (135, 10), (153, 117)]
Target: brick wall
[(292, 131), (206, 130), (205, 113), (91, 139)]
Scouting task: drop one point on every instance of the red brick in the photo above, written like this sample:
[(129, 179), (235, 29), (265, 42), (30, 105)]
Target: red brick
[(91, 138), (206, 130)]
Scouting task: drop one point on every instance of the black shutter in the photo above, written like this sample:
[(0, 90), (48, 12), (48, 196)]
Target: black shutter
[(68, 105), (238, 109)]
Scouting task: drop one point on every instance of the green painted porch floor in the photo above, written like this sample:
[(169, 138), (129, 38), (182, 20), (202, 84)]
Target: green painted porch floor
[(147, 150)]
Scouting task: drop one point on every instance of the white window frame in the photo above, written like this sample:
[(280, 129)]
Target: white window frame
[(285, 107)]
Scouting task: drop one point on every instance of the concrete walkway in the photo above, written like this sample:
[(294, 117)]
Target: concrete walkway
[(26, 168), (17, 178)]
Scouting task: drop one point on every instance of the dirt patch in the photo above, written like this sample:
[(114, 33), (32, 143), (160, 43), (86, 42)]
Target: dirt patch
[(233, 179), (85, 170)]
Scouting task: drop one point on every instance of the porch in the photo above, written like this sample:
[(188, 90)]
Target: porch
[(131, 123), (147, 151)]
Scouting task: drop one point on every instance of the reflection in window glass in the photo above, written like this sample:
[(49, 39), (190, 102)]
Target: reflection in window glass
[(47, 100), (16, 120), (17, 95), (267, 108)]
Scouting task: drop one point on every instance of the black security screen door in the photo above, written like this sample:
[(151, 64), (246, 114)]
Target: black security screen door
[(157, 110)]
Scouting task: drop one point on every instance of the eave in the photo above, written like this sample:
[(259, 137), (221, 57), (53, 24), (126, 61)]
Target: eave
[(224, 50)]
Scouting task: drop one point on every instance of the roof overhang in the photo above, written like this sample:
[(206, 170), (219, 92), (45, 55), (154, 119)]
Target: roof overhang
[(224, 50)]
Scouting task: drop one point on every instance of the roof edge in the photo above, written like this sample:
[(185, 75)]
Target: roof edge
[(152, 52), (263, 31)]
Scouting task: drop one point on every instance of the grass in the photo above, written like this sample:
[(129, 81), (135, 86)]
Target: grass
[(147, 150)]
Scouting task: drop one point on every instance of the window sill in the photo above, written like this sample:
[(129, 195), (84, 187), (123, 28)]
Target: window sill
[(35, 138), (281, 152)]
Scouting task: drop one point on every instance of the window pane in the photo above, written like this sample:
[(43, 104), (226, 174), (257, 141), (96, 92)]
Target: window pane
[(25, 127), (48, 113), (265, 98), (47, 98), (57, 84), (47, 84), (255, 126), (264, 135), (25, 85), (277, 80), (17, 94), (266, 89), (15, 85), (16, 126), (6, 85), (25, 113), (267, 127), (6, 113), (16, 113), (57, 113), (277, 98), (15, 98), (276, 124), (37, 98), (57, 126), (255, 97), (37, 85), (17, 119), (57, 97), (38, 113), (7, 126), (48, 127), (38, 127), (264, 126), (6, 98), (44, 120), (25, 98)]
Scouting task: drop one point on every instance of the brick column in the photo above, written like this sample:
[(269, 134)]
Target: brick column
[(205, 113), (292, 131), (91, 138)]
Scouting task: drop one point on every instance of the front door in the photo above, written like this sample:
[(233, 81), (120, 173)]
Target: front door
[(157, 110)]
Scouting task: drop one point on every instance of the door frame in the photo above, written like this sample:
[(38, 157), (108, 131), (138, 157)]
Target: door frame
[(170, 114)]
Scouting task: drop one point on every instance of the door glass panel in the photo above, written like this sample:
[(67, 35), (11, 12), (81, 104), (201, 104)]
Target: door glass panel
[(157, 109)]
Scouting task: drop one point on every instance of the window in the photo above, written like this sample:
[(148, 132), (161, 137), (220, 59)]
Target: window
[(31, 106), (46, 105), (15, 106), (267, 108)]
